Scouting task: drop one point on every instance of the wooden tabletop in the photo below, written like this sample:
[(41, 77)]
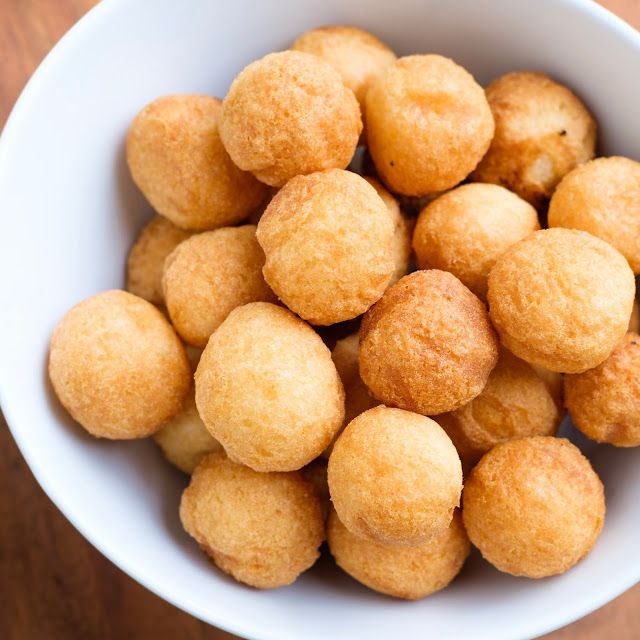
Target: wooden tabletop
[(53, 583)]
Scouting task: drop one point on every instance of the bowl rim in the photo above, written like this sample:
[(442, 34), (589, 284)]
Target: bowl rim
[(243, 627)]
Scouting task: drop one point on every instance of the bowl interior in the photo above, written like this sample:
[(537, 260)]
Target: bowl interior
[(70, 212)]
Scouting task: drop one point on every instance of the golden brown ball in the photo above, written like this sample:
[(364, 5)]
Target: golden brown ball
[(289, 114), (555, 385), (515, 403), (634, 320), (117, 366), (403, 572), (542, 132), (316, 474), (465, 230), (176, 158), (264, 529), (427, 345), (267, 389), (602, 197), (428, 124), (208, 276), (534, 507), (328, 241), (561, 299), (604, 402), (146, 258), (394, 477)]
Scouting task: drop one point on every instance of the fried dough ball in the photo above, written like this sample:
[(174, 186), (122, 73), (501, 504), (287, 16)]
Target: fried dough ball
[(428, 124), (316, 474), (289, 114), (542, 132), (403, 572), (357, 55), (328, 242), (267, 389), (555, 385), (605, 402), (177, 160), (394, 477), (208, 276), (117, 366), (602, 197), (184, 440), (561, 299), (146, 258), (427, 345), (403, 228), (634, 320), (515, 403), (534, 507), (264, 529), (465, 230)]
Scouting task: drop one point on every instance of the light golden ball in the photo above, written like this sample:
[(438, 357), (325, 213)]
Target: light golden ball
[(534, 507), (289, 114), (394, 477), (428, 345), (561, 299), (177, 160), (117, 366), (267, 389)]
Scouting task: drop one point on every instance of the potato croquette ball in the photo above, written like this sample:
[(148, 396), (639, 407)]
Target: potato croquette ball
[(289, 114), (208, 276), (328, 240), (403, 228), (316, 474), (542, 132), (177, 160), (117, 366), (184, 440), (561, 299), (602, 197), (534, 506), (146, 258), (427, 345), (267, 389), (515, 403), (465, 230), (403, 572), (604, 402), (428, 124), (357, 55), (634, 320), (394, 477), (264, 529)]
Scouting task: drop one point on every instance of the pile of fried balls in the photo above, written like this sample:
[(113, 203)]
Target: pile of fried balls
[(328, 366)]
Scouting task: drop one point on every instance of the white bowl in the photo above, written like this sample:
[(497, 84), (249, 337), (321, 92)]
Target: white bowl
[(70, 212)]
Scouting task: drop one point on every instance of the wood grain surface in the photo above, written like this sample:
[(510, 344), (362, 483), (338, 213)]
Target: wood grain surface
[(53, 583)]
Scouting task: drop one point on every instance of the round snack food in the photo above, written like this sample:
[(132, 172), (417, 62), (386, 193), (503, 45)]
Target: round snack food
[(465, 230), (264, 529), (602, 197), (403, 572), (289, 114), (427, 345), (177, 160), (428, 124), (208, 276), (184, 440), (534, 507), (328, 242), (117, 366), (604, 402), (357, 55), (146, 258), (542, 132), (394, 477), (267, 389), (555, 385), (402, 231), (516, 402), (561, 299)]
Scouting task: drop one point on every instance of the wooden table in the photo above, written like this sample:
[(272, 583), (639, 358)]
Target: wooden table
[(53, 584)]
